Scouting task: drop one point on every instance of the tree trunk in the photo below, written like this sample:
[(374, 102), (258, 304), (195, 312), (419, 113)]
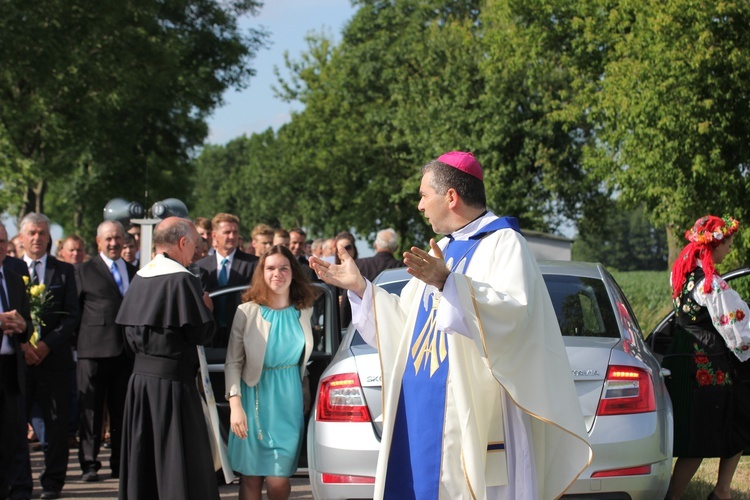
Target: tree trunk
[(673, 244), (33, 200)]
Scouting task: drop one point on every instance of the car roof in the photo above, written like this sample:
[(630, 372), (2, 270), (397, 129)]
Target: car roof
[(392, 276)]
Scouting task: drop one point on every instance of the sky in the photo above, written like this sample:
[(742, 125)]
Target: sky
[(255, 108)]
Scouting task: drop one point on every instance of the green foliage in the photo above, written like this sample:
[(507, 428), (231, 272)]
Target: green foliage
[(672, 130), (104, 99), (621, 239)]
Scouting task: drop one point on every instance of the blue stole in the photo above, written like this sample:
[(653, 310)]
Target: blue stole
[(416, 448)]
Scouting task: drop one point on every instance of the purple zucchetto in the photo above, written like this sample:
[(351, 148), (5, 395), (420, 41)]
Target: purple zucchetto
[(465, 162)]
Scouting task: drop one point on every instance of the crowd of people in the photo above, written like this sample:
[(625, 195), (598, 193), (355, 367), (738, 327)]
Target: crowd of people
[(70, 383), (112, 343)]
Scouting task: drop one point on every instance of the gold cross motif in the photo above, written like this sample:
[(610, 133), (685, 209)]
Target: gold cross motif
[(429, 349)]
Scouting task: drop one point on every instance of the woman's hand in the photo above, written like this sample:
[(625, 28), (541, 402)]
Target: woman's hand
[(237, 417)]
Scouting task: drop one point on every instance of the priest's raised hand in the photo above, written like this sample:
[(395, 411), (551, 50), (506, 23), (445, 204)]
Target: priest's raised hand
[(345, 275)]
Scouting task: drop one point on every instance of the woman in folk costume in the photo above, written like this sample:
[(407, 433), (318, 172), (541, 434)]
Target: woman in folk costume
[(707, 358), (267, 387)]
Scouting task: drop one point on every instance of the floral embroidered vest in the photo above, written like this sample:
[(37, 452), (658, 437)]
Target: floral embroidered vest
[(693, 317)]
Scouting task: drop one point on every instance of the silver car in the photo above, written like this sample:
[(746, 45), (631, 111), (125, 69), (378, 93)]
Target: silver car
[(620, 385)]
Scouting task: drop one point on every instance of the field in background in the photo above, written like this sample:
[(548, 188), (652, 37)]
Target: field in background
[(649, 295)]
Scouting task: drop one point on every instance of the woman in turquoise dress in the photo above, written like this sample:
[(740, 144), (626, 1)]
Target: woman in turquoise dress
[(267, 388)]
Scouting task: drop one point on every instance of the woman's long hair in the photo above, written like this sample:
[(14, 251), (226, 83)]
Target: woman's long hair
[(302, 293)]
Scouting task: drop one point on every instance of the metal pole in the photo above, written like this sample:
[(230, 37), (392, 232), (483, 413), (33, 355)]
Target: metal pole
[(147, 238)]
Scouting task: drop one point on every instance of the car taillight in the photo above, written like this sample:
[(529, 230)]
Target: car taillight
[(627, 390), (628, 471), (341, 400), (340, 479)]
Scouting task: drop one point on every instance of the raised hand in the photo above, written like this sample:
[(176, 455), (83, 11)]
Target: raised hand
[(345, 275), (429, 268)]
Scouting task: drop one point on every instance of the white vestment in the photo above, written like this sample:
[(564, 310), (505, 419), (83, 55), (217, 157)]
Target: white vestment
[(509, 376)]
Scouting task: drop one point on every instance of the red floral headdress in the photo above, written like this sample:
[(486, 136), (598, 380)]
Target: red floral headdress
[(706, 234)]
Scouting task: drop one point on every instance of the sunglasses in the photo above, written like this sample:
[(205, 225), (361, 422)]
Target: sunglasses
[(347, 247)]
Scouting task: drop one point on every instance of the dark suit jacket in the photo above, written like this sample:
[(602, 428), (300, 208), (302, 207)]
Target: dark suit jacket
[(62, 314), (18, 266), (241, 272), (370, 267), (18, 300), (98, 335)]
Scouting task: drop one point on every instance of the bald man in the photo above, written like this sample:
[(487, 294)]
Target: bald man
[(165, 315)]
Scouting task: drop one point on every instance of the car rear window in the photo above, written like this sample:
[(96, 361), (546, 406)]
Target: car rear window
[(582, 306)]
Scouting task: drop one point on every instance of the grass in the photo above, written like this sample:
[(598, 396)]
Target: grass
[(649, 295), (703, 481)]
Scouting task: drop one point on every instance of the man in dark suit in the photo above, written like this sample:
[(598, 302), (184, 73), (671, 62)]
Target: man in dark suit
[(229, 266), (49, 352), (297, 239), (21, 483), (15, 323), (386, 242), (104, 367)]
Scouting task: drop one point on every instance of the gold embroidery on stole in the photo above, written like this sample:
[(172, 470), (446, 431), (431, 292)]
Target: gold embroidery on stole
[(429, 349)]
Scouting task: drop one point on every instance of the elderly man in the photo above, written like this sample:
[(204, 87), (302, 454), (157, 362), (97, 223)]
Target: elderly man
[(479, 400), (49, 352), (165, 315), (103, 365), (386, 242)]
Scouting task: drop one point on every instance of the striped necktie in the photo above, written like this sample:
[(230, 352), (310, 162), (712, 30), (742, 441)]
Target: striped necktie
[(33, 272)]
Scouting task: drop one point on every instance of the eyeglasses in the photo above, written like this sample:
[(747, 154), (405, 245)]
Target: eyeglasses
[(347, 247)]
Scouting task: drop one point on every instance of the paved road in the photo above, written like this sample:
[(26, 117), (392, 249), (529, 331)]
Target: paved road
[(107, 488)]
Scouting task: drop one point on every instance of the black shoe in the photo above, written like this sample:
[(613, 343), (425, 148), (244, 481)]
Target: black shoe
[(50, 494), (90, 476)]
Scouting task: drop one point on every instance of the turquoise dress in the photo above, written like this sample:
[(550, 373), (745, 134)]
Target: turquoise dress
[(273, 407)]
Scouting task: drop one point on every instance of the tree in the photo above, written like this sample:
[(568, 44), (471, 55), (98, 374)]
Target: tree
[(669, 107), (408, 82), (104, 99), (621, 239)]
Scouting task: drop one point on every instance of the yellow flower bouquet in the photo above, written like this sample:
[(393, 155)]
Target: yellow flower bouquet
[(38, 301)]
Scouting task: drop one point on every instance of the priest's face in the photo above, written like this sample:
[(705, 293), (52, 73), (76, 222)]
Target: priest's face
[(186, 247), (277, 273), (435, 206)]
